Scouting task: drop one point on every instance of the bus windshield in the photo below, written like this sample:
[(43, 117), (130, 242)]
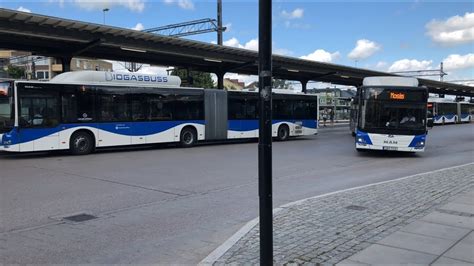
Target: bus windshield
[(389, 111), (6, 121)]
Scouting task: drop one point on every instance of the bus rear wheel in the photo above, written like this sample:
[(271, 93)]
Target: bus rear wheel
[(283, 133), (188, 137), (81, 143)]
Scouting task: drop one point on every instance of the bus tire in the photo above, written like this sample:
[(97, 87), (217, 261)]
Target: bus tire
[(283, 133), (188, 137), (81, 143)]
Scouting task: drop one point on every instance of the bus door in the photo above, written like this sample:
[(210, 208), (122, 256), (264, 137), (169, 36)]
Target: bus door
[(115, 127), (39, 119)]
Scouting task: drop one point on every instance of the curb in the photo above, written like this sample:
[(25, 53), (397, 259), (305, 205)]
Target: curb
[(223, 248)]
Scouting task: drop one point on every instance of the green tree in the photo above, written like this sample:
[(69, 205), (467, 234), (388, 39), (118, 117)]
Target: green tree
[(15, 72), (198, 79)]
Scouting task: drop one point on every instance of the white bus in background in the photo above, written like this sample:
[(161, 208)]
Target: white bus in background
[(447, 111), (83, 110), (390, 113)]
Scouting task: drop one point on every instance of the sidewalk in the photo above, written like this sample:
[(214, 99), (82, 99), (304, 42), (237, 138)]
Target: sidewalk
[(419, 219), (443, 237)]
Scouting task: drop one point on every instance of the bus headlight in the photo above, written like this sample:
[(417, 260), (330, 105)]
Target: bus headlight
[(420, 144), (361, 141)]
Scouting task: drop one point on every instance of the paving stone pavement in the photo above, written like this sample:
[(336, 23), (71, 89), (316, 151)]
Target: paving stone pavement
[(332, 228)]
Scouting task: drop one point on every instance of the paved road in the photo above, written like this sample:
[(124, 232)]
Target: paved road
[(174, 205)]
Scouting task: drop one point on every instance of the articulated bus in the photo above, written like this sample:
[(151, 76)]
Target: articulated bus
[(390, 113), (79, 111), (449, 112)]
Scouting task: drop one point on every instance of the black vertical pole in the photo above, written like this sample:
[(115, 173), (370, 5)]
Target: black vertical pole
[(265, 131), (219, 22)]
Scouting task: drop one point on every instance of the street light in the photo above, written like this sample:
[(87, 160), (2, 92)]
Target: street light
[(105, 10)]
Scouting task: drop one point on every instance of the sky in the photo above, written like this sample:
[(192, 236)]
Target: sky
[(380, 35)]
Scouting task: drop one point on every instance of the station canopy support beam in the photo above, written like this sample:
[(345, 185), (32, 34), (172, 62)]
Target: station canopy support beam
[(66, 63), (304, 83), (220, 80)]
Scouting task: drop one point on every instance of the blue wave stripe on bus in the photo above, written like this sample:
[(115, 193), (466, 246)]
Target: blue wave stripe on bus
[(416, 140), (449, 116), (463, 116), (122, 128), (247, 125), (364, 136)]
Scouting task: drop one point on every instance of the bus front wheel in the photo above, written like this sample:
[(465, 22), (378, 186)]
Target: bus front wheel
[(188, 137), (81, 143), (283, 133)]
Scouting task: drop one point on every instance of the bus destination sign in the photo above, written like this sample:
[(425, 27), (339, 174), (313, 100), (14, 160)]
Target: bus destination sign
[(397, 96)]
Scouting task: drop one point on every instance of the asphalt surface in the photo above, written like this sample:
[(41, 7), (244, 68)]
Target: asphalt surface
[(175, 205)]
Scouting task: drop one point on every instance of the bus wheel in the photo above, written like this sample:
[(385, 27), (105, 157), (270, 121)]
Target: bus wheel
[(283, 133), (81, 143), (188, 137)]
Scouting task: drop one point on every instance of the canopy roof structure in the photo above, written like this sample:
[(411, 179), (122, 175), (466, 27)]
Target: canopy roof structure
[(64, 38)]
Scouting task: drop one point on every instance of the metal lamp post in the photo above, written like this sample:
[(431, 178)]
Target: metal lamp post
[(105, 10)]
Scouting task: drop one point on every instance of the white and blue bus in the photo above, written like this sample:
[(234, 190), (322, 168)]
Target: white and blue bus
[(446, 111), (390, 113), (84, 110)]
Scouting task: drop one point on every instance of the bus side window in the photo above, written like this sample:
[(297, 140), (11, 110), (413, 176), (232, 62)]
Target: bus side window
[(39, 109), (236, 108), (161, 107)]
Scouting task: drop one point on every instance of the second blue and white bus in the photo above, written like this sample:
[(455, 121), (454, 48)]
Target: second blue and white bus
[(84, 110), (390, 113), (446, 111)]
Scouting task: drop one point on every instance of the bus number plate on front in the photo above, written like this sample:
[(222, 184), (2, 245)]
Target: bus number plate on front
[(388, 148)]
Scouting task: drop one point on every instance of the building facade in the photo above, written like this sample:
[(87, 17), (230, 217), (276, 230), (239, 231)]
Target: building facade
[(45, 68)]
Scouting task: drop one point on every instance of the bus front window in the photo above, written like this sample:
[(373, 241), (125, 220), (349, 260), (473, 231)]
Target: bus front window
[(381, 115), (6, 121)]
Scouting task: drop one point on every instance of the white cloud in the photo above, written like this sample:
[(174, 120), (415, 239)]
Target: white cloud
[(22, 9), (233, 42), (253, 45), (147, 69), (295, 14), (454, 30), (138, 27), (250, 45), (455, 61), (364, 49), (282, 51), (184, 4), (409, 65), (322, 56), (381, 65), (228, 27), (297, 26), (133, 5)]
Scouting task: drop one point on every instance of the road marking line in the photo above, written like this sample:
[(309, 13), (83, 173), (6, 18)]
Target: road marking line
[(222, 249)]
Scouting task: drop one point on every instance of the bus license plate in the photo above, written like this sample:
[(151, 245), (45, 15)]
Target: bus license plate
[(387, 148)]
